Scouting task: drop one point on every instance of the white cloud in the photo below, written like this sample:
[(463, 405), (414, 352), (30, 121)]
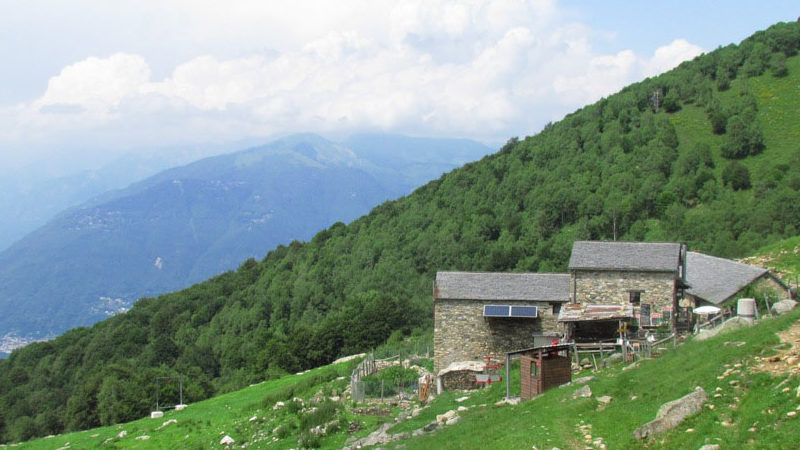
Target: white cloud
[(95, 83), (670, 56), (480, 68)]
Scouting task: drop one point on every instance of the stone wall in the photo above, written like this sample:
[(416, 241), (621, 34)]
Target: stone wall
[(461, 333), (612, 288)]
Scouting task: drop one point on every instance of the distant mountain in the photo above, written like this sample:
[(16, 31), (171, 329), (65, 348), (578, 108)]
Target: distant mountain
[(32, 195), (188, 223)]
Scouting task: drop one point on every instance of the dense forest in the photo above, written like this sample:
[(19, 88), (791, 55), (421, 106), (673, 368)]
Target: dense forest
[(706, 153)]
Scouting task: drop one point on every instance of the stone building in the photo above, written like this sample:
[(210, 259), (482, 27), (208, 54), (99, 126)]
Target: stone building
[(717, 281), (482, 314), (650, 277)]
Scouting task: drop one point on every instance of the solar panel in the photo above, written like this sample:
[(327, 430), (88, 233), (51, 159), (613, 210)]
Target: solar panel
[(496, 310), (530, 312), (524, 311)]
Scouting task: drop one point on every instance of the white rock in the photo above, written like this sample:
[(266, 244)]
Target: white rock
[(604, 399), (253, 419), (156, 414), (227, 440), (446, 416), (461, 399), (278, 405), (453, 420), (180, 407), (462, 408), (142, 438), (169, 422), (122, 434)]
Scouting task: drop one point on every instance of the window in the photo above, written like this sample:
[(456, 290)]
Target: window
[(556, 308), (635, 297)]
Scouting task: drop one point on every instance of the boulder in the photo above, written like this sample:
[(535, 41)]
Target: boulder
[(604, 399), (783, 306), (227, 440), (582, 392), (733, 323), (671, 414), (446, 416)]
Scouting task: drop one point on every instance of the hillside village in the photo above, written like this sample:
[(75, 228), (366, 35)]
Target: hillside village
[(640, 286)]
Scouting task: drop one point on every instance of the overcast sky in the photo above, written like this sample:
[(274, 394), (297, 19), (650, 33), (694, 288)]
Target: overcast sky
[(114, 76)]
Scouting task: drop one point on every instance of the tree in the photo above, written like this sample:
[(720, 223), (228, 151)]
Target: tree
[(744, 139), (736, 176), (778, 65)]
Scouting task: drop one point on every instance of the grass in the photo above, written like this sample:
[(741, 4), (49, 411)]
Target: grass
[(554, 419)]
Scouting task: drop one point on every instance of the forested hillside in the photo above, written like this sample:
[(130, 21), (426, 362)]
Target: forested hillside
[(706, 153)]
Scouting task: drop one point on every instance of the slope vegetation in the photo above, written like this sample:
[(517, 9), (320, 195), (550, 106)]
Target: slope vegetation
[(705, 161)]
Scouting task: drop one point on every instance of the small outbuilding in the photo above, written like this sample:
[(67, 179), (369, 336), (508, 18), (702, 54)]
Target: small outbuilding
[(542, 368)]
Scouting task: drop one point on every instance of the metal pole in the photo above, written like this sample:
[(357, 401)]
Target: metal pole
[(508, 375), (180, 383)]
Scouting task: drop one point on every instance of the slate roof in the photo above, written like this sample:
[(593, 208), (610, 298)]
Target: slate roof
[(717, 279), (626, 256), (502, 286)]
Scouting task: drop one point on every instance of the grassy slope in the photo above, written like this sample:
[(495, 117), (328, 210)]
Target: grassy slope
[(552, 419)]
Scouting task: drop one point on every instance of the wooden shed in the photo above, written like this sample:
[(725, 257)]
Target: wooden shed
[(542, 368)]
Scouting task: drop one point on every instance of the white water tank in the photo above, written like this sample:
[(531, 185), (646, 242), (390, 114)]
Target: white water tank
[(746, 308)]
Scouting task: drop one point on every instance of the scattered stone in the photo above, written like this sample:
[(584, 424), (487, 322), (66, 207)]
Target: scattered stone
[(142, 438), (431, 426), (710, 447), (582, 392), (122, 434), (253, 419), (156, 414), (690, 430), (634, 397), (631, 366), (791, 413), (783, 306), (227, 440), (462, 408), (583, 380), (671, 414), (508, 401), (461, 399), (446, 416), (170, 421), (457, 419), (278, 405), (92, 436), (605, 399), (734, 344), (180, 407)]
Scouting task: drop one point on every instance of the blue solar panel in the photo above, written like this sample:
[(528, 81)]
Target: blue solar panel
[(524, 311), (496, 311)]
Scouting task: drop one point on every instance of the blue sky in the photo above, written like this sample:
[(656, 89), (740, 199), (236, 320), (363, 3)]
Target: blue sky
[(90, 80)]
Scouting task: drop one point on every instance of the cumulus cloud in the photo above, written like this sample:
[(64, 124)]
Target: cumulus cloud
[(486, 69), (669, 56)]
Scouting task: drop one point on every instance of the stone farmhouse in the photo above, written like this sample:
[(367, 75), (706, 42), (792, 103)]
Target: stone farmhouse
[(716, 281), (480, 314), (646, 285), (648, 277)]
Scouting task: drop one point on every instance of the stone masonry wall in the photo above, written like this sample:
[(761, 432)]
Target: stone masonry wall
[(612, 287), (461, 333)]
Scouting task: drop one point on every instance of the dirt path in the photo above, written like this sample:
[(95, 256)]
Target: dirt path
[(786, 361)]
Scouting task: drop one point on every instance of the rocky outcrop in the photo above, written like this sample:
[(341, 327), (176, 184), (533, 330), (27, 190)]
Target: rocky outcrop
[(671, 414)]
